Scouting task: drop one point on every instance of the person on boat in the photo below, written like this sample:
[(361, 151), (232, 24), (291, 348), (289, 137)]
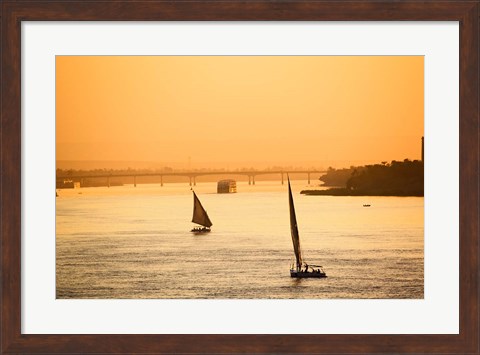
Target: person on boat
[(306, 267)]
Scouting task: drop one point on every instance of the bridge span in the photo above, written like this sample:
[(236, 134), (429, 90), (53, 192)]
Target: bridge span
[(192, 175)]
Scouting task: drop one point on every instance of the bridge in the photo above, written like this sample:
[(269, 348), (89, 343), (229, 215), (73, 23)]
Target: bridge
[(192, 175)]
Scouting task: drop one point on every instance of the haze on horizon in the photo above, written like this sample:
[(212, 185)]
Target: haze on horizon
[(244, 110)]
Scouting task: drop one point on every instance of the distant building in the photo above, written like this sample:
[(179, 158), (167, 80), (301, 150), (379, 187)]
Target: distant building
[(226, 186)]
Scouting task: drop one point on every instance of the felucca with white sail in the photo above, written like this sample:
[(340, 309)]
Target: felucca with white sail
[(299, 268), (200, 216)]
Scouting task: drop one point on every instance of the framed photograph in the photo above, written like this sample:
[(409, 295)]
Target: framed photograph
[(260, 177)]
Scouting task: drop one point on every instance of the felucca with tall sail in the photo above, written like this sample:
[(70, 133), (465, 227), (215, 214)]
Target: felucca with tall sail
[(200, 216), (299, 268)]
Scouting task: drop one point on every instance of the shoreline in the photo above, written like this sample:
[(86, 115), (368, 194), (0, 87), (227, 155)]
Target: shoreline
[(347, 192)]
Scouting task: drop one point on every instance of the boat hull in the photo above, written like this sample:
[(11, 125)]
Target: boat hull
[(303, 274), (200, 230)]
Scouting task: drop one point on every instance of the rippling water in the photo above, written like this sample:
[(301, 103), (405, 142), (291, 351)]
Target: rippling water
[(135, 242)]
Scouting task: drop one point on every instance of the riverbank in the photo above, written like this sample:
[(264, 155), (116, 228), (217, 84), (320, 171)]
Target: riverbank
[(385, 179)]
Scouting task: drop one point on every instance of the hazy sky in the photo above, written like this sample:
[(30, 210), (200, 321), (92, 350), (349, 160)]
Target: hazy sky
[(240, 111)]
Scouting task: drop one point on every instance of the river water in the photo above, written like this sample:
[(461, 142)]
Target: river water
[(135, 242)]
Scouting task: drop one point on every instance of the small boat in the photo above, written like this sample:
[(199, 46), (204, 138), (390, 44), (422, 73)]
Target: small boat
[(200, 217), (366, 205), (226, 186), (300, 269)]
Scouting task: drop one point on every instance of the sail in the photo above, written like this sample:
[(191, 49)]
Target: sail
[(200, 216), (294, 228)]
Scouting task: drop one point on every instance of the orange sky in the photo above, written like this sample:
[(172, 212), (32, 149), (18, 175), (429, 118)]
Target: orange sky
[(240, 111)]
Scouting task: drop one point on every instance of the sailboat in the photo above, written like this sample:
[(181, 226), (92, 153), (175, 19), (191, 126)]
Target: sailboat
[(299, 268), (200, 216)]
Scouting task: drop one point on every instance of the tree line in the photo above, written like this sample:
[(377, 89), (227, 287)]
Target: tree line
[(385, 179)]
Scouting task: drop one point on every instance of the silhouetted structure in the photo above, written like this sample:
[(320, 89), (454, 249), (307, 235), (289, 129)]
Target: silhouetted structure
[(422, 149), (190, 175), (226, 186)]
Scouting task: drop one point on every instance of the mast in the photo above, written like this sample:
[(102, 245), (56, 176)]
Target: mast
[(200, 216), (294, 228)]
